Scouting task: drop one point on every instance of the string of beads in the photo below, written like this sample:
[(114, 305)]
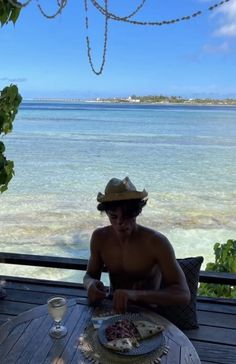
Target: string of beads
[(108, 15), (153, 23), (89, 50)]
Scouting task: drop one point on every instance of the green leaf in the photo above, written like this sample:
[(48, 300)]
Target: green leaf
[(225, 261), (9, 168), (8, 12), (12, 92), (4, 17), (2, 147), (10, 100), (3, 188), (3, 177), (211, 267), (15, 14)]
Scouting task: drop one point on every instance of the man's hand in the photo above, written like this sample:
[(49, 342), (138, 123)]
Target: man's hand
[(96, 291), (121, 298)]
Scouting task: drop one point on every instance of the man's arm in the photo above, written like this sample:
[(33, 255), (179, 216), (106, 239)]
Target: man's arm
[(91, 280), (175, 290)]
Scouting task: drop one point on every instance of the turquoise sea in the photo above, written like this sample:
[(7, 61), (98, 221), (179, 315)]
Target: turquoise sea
[(64, 153)]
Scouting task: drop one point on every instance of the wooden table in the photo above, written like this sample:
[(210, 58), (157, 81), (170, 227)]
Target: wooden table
[(25, 339)]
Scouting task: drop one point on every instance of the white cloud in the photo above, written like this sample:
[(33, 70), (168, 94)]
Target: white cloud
[(227, 30), (227, 26), (218, 48), (17, 79)]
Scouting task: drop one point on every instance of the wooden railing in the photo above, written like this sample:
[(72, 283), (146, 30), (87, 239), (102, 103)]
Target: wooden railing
[(81, 264)]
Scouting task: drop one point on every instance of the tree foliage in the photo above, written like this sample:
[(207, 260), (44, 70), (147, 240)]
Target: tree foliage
[(225, 261), (10, 100), (8, 12)]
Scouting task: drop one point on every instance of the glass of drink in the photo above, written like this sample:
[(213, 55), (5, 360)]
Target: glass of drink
[(57, 308)]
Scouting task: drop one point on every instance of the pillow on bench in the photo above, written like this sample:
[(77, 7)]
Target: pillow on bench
[(185, 316)]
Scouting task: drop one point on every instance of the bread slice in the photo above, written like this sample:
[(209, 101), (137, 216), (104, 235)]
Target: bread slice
[(147, 329), (122, 345)]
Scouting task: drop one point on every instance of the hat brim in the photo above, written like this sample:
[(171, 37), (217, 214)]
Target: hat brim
[(128, 195)]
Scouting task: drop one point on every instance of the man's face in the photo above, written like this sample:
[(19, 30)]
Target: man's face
[(122, 224)]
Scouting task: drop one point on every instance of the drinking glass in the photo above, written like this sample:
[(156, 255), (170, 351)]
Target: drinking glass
[(57, 308)]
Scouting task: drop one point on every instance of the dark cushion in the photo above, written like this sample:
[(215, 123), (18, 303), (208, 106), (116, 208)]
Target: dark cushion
[(185, 316)]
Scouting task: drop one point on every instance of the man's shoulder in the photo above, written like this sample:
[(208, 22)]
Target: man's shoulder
[(153, 234), (101, 232), (157, 243), (99, 237)]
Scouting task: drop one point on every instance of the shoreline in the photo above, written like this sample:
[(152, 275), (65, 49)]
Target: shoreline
[(78, 101)]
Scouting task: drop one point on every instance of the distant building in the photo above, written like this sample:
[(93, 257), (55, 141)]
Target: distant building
[(132, 100)]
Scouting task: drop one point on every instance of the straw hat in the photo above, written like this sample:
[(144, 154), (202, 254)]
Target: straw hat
[(117, 190)]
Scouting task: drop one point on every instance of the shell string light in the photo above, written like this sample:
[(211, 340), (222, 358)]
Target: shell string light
[(61, 4)]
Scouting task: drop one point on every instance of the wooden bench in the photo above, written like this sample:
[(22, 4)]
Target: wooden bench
[(214, 340)]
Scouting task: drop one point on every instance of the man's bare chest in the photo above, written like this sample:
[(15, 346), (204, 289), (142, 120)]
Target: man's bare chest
[(133, 260)]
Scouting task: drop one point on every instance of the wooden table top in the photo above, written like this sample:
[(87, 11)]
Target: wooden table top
[(26, 339)]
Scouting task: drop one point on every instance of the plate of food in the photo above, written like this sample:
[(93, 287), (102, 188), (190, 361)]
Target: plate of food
[(131, 334)]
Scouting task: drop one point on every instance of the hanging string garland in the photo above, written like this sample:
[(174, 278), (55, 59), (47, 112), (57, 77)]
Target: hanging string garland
[(89, 51), (126, 19), (61, 5), (19, 5), (153, 23), (111, 16), (115, 17)]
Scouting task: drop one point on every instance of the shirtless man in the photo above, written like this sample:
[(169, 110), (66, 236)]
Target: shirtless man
[(136, 257)]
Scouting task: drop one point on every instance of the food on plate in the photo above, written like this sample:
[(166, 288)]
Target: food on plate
[(125, 334), (121, 329), (147, 329), (122, 345)]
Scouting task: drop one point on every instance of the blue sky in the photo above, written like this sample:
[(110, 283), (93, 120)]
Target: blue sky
[(195, 58)]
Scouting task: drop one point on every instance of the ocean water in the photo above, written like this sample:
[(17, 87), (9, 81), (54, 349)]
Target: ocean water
[(65, 153)]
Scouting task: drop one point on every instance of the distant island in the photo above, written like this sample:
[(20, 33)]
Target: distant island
[(150, 99), (168, 100)]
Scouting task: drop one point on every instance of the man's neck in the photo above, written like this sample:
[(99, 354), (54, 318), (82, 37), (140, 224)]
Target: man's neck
[(125, 238)]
